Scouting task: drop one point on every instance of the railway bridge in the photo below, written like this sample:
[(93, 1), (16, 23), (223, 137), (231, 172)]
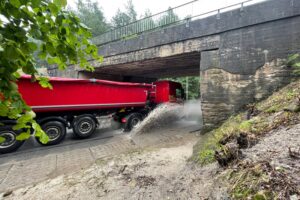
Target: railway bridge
[(239, 52)]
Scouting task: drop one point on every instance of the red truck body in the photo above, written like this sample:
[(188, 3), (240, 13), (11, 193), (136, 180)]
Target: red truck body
[(168, 91), (79, 104), (79, 94)]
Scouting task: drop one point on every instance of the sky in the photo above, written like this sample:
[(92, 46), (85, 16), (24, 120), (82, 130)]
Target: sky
[(110, 7)]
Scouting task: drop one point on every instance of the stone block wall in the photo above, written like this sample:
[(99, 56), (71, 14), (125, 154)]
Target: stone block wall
[(224, 93)]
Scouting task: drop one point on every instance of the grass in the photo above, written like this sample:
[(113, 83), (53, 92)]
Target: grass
[(260, 181), (271, 114)]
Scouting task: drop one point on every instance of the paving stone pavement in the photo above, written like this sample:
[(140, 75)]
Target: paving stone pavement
[(33, 166)]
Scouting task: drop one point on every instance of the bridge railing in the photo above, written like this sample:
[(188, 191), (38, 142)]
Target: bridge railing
[(181, 14)]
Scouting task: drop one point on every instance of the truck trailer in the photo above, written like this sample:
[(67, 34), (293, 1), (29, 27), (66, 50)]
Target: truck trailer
[(78, 104)]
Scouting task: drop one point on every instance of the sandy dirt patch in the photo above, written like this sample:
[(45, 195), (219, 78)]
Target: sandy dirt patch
[(147, 174)]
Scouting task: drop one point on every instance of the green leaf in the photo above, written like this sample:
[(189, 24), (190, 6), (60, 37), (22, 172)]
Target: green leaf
[(24, 135), (15, 3), (293, 57), (2, 139), (42, 55), (100, 59), (60, 3), (53, 8), (50, 48), (296, 64), (35, 3), (62, 66), (55, 60), (3, 110), (17, 75), (44, 82), (84, 26), (1, 48), (43, 137), (12, 53), (27, 117), (32, 46)]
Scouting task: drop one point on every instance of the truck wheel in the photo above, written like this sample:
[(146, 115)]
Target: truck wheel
[(84, 127), (11, 143), (133, 120), (56, 132)]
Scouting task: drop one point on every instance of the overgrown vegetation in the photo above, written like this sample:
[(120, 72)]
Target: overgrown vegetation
[(190, 83), (280, 109), (261, 181), (294, 61), (122, 18)]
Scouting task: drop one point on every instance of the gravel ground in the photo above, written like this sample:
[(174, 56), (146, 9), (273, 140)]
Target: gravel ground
[(274, 148)]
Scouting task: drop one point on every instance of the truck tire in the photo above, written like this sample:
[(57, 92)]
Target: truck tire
[(56, 132), (133, 120), (11, 144), (84, 126)]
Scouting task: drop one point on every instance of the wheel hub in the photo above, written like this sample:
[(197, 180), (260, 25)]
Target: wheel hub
[(53, 133), (85, 127), (135, 122)]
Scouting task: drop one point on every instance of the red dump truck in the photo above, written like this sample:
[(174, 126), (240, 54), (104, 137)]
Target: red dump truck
[(78, 103)]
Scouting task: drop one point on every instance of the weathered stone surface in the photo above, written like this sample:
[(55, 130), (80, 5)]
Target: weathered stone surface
[(223, 93)]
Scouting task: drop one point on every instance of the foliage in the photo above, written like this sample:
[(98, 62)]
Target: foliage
[(130, 10), (294, 61), (168, 18), (122, 18), (147, 13), (193, 83), (92, 16), (29, 26), (148, 22), (271, 114), (261, 181)]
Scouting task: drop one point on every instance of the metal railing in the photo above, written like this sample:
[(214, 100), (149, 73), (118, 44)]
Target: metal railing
[(184, 13)]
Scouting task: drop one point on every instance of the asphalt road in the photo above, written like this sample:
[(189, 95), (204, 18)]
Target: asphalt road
[(31, 145)]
